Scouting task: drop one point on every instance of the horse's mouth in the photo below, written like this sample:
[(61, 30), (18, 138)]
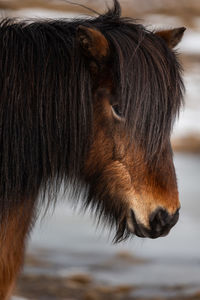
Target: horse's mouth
[(155, 230)]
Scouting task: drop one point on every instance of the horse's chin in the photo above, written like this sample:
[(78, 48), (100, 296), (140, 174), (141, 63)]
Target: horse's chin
[(143, 234)]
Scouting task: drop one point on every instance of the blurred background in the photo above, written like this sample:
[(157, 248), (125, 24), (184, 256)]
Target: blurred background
[(67, 256)]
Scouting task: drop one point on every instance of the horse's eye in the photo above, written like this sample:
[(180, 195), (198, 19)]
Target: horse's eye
[(117, 111)]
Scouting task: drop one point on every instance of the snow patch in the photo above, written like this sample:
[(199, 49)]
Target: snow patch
[(18, 298), (191, 42), (189, 120), (43, 13)]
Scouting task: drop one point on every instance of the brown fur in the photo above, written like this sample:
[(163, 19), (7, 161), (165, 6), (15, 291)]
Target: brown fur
[(123, 167), (12, 246), (172, 37), (93, 42)]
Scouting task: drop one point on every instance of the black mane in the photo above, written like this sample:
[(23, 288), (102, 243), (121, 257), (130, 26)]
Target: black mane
[(46, 98)]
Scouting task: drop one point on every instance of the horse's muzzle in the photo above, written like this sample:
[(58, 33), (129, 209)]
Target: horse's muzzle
[(160, 223)]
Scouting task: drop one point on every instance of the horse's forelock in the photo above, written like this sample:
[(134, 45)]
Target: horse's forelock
[(150, 88)]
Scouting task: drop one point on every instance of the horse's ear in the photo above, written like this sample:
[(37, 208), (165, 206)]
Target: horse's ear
[(93, 43), (172, 37)]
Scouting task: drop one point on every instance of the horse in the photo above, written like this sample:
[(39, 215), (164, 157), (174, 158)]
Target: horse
[(86, 104)]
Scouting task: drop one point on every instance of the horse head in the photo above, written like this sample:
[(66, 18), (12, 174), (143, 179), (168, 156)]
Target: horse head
[(137, 92)]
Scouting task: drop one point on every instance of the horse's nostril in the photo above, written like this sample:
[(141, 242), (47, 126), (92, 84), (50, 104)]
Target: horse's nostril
[(160, 223), (161, 219)]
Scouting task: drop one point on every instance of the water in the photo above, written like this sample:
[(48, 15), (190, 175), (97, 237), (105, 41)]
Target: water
[(70, 243)]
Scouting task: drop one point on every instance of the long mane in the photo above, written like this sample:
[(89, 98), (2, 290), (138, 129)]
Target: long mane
[(46, 107)]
